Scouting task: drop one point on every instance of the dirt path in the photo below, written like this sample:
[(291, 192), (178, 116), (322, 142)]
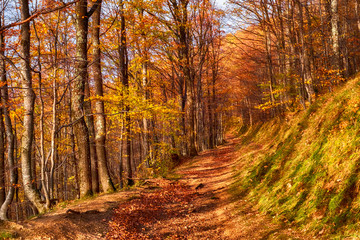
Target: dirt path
[(196, 206)]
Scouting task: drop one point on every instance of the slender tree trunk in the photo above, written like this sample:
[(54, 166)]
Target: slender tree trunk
[(145, 92), (269, 64), (357, 13), (145, 134), (309, 51), (267, 41), (89, 119), (344, 45), (210, 113), (284, 70), (29, 101), (54, 147), (53, 130), (192, 118), (121, 165), (214, 104), (44, 178), (123, 65), (335, 34), (324, 29), (303, 56), (2, 151), (2, 130), (9, 134), (73, 150), (100, 121)]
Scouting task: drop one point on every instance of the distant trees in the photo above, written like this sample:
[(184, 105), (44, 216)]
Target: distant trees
[(104, 93), (307, 47)]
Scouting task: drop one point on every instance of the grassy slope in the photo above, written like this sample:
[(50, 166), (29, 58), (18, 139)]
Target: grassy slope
[(305, 168)]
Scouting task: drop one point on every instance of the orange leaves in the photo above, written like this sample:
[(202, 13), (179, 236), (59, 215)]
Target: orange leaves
[(133, 219), (327, 77)]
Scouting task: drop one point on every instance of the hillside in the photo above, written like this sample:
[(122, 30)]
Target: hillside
[(303, 168)]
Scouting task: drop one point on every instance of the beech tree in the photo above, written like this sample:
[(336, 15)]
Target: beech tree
[(29, 101)]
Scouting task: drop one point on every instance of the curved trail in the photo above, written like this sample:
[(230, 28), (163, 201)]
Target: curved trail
[(222, 216), (196, 206)]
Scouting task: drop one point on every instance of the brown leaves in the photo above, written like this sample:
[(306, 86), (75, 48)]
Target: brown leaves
[(133, 219)]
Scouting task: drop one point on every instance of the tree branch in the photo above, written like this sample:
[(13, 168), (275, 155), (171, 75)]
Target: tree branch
[(36, 14), (93, 8)]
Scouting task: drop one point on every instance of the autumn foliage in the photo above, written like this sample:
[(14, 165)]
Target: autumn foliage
[(98, 94), (134, 219), (284, 54)]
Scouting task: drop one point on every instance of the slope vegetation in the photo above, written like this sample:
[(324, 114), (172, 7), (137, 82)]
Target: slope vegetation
[(305, 167)]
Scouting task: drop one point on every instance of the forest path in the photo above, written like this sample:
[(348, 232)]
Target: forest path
[(195, 206)]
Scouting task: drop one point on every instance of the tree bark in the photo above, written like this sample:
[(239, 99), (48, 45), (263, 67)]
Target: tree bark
[(29, 101), (100, 121), (89, 119), (145, 122), (2, 150), (124, 76), (9, 134), (77, 104), (335, 34), (303, 57), (44, 179)]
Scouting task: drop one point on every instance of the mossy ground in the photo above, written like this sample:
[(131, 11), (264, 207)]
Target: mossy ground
[(304, 168)]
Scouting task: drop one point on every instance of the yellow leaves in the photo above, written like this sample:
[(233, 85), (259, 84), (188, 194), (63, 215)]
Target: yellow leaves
[(268, 105), (131, 101), (18, 111), (71, 180), (327, 77)]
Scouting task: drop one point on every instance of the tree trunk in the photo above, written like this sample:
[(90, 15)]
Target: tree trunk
[(269, 63), (89, 119), (100, 121), (9, 134), (53, 131), (145, 132), (124, 76), (121, 165), (2, 149), (44, 179), (210, 116), (303, 57), (29, 100), (335, 34), (78, 93), (73, 151)]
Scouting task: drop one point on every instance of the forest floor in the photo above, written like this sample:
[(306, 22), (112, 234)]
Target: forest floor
[(195, 204)]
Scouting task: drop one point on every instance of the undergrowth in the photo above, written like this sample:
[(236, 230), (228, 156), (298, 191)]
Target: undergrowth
[(307, 170)]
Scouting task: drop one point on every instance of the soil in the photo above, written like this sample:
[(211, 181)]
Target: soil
[(196, 205)]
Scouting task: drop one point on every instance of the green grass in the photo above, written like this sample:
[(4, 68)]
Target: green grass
[(308, 170), (7, 235)]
